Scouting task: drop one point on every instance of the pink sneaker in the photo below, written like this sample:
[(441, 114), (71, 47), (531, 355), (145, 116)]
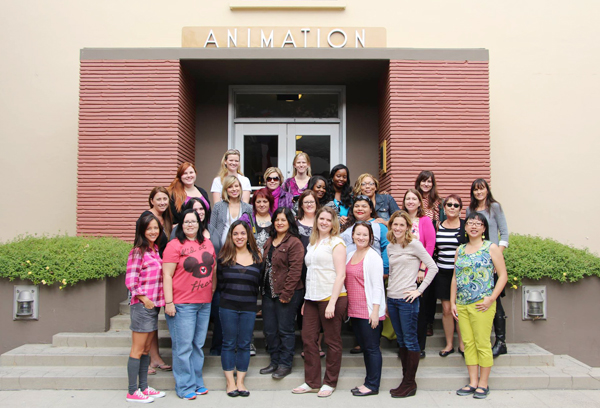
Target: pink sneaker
[(138, 396), (151, 392)]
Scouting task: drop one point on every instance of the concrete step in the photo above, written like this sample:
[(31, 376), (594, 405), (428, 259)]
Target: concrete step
[(567, 373), (524, 355), (122, 338)]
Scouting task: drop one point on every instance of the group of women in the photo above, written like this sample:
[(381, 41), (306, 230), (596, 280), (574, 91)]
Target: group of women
[(317, 250)]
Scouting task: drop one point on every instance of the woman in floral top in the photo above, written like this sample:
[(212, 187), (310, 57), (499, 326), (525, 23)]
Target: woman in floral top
[(473, 299)]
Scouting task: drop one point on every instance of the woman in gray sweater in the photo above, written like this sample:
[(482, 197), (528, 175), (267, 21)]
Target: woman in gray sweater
[(406, 254), (484, 203)]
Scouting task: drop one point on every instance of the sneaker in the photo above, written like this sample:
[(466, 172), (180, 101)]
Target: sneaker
[(138, 396), (151, 392), (190, 396), (201, 391), (252, 350)]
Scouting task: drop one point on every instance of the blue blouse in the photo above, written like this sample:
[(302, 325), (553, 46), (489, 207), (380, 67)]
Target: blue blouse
[(474, 274)]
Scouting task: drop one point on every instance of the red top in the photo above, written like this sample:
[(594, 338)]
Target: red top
[(193, 278), (355, 285)]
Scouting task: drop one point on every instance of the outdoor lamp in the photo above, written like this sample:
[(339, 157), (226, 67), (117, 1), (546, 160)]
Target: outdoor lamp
[(25, 303), (535, 304)]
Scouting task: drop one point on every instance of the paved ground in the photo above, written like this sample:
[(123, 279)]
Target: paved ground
[(277, 399)]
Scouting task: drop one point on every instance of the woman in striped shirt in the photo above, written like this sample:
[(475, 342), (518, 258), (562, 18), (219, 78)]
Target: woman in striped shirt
[(450, 235), (238, 274)]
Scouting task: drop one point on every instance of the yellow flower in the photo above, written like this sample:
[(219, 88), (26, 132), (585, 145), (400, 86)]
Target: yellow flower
[(47, 268), (29, 273), (28, 261), (43, 282), (515, 278), (514, 286), (64, 281), (60, 287), (564, 274)]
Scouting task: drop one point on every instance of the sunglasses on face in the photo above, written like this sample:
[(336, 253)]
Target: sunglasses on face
[(362, 198), (272, 178), (455, 205)]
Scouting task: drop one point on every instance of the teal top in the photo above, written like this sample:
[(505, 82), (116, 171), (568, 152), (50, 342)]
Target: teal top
[(474, 274)]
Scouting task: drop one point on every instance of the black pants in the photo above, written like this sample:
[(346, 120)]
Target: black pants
[(426, 311)]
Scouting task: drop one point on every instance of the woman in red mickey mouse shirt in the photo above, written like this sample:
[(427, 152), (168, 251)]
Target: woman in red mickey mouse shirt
[(189, 282)]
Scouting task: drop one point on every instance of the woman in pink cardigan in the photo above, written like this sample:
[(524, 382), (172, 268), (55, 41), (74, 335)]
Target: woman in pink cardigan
[(423, 230)]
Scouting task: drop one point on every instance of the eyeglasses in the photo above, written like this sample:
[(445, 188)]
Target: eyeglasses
[(367, 184), (474, 223), (455, 205), (308, 202), (190, 222), (272, 178)]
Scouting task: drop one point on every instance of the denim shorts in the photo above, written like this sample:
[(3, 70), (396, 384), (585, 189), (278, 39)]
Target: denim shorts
[(143, 320)]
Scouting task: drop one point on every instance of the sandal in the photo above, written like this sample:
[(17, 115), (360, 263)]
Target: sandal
[(321, 353), (483, 394), (466, 390), (163, 367), (151, 371), (325, 391), (303, 389)]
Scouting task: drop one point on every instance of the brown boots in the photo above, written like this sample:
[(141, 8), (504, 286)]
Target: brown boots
[(410, 363)]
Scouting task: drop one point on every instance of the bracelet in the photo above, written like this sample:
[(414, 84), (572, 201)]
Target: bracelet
[(168, 303), (421, 270)]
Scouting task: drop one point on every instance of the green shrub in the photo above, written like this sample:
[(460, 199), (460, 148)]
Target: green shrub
[(62, 259), (536, 258)]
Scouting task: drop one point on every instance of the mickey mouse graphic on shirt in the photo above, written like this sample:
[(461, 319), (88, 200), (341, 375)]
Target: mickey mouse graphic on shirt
[(199, 269)]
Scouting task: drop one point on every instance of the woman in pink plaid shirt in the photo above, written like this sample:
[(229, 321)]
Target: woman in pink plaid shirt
[(144, 281)]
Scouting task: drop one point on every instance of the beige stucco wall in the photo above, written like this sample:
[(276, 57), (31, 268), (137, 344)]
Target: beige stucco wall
[(544, 86)]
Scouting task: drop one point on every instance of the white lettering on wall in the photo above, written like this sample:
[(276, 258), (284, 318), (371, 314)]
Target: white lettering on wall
[(209, 41), (263, 41), (290, 41), (359, 39), (318, 38), (232, 39), (248, 38), (337, 30), (305, 31)]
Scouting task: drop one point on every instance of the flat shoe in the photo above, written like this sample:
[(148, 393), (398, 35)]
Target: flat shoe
[(356, 350), (151, 371), (303, 389), (357, 393), (445, 353), (325, 391), (481, 395), (462, 352), (234, 393), (463, 393), (163, 367), (321, 353), (244, 393)]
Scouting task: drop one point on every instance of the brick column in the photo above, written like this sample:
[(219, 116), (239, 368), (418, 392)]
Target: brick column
[(435, 116), (136, 125)]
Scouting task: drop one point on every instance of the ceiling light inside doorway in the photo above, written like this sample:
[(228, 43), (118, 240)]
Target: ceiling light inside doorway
[(288, 97)]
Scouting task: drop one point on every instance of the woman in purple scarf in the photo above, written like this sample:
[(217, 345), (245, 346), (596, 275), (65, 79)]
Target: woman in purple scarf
[(273, 179)]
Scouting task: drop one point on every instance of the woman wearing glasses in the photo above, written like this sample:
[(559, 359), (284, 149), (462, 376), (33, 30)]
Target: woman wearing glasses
[(189, 283), (484, 203), (274, 179), (450, 235), (384, 204), (230, 166), (473, 298)]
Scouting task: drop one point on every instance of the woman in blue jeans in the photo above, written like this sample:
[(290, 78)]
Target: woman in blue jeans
[(189, 282), (405, 254), (238, 272)]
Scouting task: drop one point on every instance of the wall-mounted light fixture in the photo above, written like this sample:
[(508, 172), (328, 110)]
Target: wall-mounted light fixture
[(534, 302), (25, 302)]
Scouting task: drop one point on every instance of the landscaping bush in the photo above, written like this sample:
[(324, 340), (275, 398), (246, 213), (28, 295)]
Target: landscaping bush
[(62, 259), (536, 258)]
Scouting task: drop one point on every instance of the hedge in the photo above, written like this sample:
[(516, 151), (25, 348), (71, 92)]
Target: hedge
[(62, 259)]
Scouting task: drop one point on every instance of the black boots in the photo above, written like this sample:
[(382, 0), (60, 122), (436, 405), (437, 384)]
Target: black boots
[(500, 331)]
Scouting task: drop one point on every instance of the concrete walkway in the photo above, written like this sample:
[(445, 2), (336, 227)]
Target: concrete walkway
[(277, 399)]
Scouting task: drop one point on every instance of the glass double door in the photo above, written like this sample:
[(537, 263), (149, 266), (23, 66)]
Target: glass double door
[(265, 145)]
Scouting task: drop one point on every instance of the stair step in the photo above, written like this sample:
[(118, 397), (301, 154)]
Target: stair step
[(524, 355), (567, 374)]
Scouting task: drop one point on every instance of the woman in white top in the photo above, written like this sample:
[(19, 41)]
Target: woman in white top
[(325, 303), (230, 166)]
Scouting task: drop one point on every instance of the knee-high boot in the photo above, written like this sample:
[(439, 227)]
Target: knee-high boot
[(409, 386), (402, 353), (500, 331)]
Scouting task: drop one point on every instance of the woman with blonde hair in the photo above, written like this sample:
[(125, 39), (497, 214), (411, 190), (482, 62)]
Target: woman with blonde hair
[(281, 198), (230, 166), (301, 174), (182, 188), (325, 303), (384, 204), (406, 255)]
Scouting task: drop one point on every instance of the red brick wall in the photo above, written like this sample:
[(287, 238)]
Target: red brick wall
[(435, 116), (136, 125)]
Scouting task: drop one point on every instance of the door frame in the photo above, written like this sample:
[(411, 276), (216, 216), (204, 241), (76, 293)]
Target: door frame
[(340, 90)]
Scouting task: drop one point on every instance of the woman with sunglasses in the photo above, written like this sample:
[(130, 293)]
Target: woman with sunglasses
[(384, 204), (424, 231), (473, 297), (301, 175), (407, 256), (274, 179), (450, 234), (230, 166), (483, 202)]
